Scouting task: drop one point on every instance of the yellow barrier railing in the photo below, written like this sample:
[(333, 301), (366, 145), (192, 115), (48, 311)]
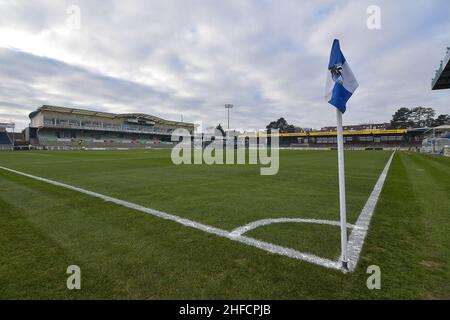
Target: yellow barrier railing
[(326, 134)]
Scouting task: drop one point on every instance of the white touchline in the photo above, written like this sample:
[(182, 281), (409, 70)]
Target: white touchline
[(359, 233), (355, 242)]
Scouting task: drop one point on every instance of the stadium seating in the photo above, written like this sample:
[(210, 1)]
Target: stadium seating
[(5, 141), (368, 146), (49, 138)]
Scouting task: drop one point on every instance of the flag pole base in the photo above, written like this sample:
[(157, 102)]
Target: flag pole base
[(345, 265)]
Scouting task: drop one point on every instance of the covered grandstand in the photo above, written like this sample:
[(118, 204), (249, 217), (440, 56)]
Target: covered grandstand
[(436, 139), (6, 139), (67, 128), (441, 79), (353, 139)]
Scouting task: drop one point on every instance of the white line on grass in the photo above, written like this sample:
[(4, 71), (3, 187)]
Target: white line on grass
[(189, 223), (356, 239), (263, 222), (355, 242)]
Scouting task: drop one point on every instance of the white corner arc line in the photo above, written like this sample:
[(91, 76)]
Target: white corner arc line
[(359, 233), (263, 222), (266, 246)]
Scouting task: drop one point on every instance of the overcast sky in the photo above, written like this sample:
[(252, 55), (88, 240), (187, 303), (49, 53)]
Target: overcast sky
[(268, 58)]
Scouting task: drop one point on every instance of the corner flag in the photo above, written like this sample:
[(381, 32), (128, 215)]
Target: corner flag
[(342, 76), (338, 94)]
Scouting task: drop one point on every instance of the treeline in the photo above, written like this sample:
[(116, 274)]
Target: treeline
[(417, 117), (403, 118)]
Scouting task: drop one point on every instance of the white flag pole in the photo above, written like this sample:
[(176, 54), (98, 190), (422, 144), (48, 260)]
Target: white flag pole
[(342, 203)]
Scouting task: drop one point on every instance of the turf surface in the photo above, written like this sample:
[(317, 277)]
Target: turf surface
[(127, 254)]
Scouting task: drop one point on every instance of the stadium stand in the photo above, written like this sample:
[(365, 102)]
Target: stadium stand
[(5, 141), (53, 127), (375, 139), (436, 139), (60, 127)]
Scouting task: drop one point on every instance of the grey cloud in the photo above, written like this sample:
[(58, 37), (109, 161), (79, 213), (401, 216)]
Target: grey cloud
[(191, 57)]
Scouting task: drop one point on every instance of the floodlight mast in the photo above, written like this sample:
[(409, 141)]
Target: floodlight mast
[(228, 107)]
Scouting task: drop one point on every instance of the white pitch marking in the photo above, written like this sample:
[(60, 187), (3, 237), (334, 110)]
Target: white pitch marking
[(266, 246), (263, 222), (355, 242), (359, 233)]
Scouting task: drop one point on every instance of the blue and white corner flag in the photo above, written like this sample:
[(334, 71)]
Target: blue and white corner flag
[(341, 82)]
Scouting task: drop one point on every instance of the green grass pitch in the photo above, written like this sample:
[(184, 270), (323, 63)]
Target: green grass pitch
[(128, 254)]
